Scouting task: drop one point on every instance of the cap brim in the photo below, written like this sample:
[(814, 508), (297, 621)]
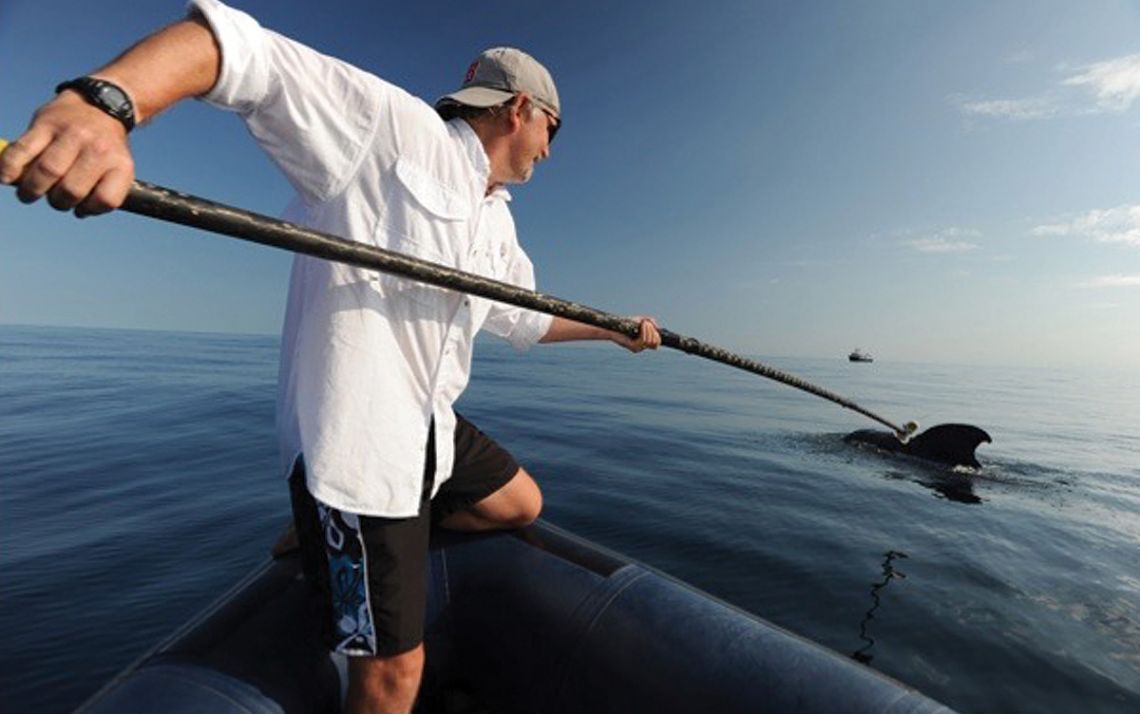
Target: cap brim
[(476, 97)]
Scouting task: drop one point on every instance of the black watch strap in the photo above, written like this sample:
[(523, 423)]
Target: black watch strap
[(106, 96)]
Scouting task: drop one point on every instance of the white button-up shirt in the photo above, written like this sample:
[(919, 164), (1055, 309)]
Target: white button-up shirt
[(368, 359)]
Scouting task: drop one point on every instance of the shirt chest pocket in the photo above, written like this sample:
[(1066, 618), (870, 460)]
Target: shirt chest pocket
[(423, 219)]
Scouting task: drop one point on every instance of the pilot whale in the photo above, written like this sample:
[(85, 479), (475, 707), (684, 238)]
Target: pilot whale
[(951, 444)]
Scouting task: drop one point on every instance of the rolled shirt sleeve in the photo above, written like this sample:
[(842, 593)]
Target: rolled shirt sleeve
[(313, 114), (526, 328), (519, 326)]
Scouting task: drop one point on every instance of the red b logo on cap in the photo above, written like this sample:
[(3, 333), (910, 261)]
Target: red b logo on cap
[(471, 72)]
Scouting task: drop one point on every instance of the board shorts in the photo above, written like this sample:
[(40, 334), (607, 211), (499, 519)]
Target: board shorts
[(370, 573)]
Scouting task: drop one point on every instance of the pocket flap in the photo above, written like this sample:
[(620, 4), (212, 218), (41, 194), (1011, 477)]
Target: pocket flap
[(438, 199)]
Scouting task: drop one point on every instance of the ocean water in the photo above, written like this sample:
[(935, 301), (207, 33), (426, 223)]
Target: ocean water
[(139, 479)]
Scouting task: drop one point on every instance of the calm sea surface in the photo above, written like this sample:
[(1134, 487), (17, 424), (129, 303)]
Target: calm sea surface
[(139, 479)]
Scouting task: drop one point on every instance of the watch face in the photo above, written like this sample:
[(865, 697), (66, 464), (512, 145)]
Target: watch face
[(113, 98)]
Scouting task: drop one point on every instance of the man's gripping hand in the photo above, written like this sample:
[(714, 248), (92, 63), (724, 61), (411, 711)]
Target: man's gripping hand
[(73, 153), (648, 337)]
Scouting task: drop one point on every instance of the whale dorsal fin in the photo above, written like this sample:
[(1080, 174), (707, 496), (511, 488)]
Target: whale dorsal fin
[(949, 443)]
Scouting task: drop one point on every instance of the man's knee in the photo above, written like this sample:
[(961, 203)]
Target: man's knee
[(526, 514), (528, 506)]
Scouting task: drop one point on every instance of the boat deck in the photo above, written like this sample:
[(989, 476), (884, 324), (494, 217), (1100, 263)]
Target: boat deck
[(532, 621)]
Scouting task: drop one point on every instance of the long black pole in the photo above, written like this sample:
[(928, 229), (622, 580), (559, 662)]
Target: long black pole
[(146, 199), (165, 204)]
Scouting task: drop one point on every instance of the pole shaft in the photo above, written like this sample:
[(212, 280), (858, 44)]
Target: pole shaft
[(167, 205)]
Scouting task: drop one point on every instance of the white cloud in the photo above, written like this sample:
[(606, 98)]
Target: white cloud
[(949, 240), (1109, 225), (1015, 109), (1114, 281), (941, 245), (1114, 82), (1114, 85)]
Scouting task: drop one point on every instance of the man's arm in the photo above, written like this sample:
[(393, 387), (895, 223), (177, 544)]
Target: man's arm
[(563, 330), (78, 155)]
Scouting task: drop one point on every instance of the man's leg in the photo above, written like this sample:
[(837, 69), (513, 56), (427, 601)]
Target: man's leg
[(488, 490), (370, 575), (384, 685), (515, 505)]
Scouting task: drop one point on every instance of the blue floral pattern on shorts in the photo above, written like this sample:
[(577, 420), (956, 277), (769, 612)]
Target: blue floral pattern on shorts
[(348, 581)]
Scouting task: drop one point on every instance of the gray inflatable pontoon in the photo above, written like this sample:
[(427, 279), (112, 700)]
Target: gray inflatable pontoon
[(536, 621)]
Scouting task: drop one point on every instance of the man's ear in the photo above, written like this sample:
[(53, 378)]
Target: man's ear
[(518, 109)]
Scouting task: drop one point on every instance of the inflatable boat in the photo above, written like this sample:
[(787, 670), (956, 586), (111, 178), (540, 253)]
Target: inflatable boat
[(533, 621)]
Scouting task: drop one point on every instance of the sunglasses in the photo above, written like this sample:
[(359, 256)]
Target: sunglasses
[(552, 126)]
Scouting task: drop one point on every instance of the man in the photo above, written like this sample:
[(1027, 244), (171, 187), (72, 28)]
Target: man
[(370, 364)]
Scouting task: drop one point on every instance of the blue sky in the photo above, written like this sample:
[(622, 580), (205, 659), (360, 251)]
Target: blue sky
[(952, 182)]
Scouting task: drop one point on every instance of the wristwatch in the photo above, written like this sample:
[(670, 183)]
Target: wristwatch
[(104, 95)]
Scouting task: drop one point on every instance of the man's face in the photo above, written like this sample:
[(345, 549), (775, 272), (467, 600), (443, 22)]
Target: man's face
[(531, 143)]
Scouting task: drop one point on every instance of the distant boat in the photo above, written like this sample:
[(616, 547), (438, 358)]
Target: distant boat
[(858, 356)]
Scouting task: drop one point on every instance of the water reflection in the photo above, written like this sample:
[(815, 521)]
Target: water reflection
[(953, 485), (863, 654)]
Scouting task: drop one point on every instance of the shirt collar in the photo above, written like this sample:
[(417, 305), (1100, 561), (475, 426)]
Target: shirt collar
[(477, 155)]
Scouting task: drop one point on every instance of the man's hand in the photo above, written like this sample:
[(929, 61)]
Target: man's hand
[(76, 154), (73, 153), (563, 330), (648, 338)]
